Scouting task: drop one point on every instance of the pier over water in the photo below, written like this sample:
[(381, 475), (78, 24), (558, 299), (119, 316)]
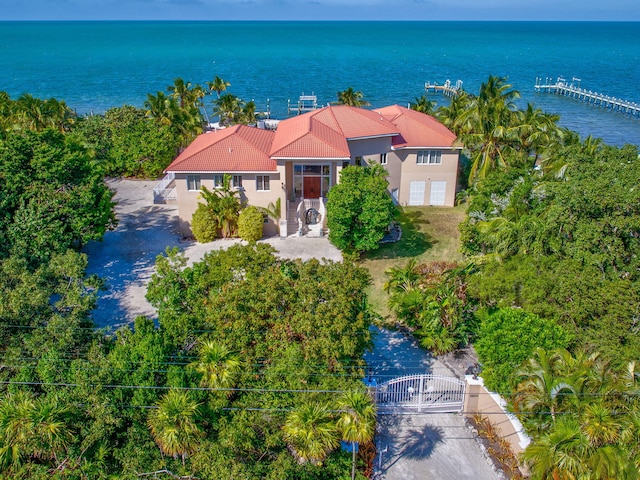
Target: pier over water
[(448, 90), (573, 89)]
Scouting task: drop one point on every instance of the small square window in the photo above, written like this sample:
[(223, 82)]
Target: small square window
[(236, 181), (193, 183), (262, 183), (265, 218)]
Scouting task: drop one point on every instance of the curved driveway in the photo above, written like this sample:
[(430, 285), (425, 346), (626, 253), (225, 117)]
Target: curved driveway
[(433, 446)]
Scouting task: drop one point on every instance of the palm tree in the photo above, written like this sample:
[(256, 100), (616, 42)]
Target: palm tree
[(218, 365), (218, 85), (424, 105), (273, 211), (487, 127), (537, 130), (541, 385), (174, 424), (33, 427), (352, 98), (560, 453), (357, 420), (402, 279), (311, 432), (228, 108), (161, 107)]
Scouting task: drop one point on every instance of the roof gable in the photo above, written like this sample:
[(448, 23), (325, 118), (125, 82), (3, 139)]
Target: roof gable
[(417, 129), (234, 149), (324, 133)]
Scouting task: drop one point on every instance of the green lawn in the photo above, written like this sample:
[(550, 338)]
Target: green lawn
[(428, 233)]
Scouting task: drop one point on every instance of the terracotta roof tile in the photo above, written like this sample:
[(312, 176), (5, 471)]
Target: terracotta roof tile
[(323, 133), (417, 129), (235, 149)]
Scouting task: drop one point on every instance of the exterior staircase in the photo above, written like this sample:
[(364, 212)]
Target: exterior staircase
[(165, 190)]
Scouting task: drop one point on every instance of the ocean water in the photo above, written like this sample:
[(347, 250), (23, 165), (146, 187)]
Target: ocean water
[(97, 65)]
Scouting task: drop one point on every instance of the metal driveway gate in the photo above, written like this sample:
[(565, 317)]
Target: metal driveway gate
[(420, 393)]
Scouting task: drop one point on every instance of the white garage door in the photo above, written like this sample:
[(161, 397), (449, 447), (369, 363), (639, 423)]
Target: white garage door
[(438, 190), (416, 193)]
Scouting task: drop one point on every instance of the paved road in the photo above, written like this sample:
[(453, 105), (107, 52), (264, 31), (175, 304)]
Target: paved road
[(417, 447)]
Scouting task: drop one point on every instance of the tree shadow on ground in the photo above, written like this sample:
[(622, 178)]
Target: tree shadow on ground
[(414, 241), (401, 437)]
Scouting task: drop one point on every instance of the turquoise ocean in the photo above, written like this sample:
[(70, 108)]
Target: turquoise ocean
[(97, 65)]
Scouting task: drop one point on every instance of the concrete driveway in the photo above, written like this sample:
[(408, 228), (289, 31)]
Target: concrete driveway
[(421, 446), (125, 258), (434, 446)]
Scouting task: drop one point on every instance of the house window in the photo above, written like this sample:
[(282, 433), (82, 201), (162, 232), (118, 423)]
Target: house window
[(193, 182), (429, 157), (236, 181), (359, 161), (218, 180), (262, 182), (383, 159), (265, 218)]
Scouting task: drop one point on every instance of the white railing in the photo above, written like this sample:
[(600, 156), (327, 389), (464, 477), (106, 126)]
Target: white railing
[(162, 192)]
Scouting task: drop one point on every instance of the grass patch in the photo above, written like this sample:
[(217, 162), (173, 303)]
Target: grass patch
[(428, 234)]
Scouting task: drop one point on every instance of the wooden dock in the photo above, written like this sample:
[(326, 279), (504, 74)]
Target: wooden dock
[(446, 89), (574, 90), (306, 103)]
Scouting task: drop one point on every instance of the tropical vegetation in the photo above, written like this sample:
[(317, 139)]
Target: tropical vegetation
[(252, 368)]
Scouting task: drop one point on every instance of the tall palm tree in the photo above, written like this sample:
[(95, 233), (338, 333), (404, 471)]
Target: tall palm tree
[(536, 130), (228, 108), (218, 365), (162, 108), (174, 424), (218, 85), (357, 420), (311, 432), (352, 98), (487, 127), (424, 105)]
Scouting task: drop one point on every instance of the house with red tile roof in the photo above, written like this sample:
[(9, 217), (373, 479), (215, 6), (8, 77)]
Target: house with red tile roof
[(302, 159)]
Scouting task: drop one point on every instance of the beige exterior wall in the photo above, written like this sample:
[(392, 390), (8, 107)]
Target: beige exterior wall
[(404, 169), (188, 200), (369, 146)]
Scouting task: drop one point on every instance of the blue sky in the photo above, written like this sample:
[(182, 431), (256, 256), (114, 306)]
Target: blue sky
[(320, 10)]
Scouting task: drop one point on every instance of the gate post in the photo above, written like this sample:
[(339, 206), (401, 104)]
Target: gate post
[(420, 392)]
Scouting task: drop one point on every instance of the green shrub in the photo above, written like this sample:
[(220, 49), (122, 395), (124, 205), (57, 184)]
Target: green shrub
[(250, 224), (203, 224), (507, 338)]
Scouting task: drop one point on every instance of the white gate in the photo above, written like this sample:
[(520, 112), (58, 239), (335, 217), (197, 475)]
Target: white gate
[(420, 393)]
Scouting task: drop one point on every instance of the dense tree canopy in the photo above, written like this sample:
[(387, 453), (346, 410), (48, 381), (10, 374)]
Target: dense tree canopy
[(52, 196)]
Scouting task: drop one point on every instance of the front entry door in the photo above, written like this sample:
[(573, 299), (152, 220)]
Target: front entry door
[(311, 187)]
